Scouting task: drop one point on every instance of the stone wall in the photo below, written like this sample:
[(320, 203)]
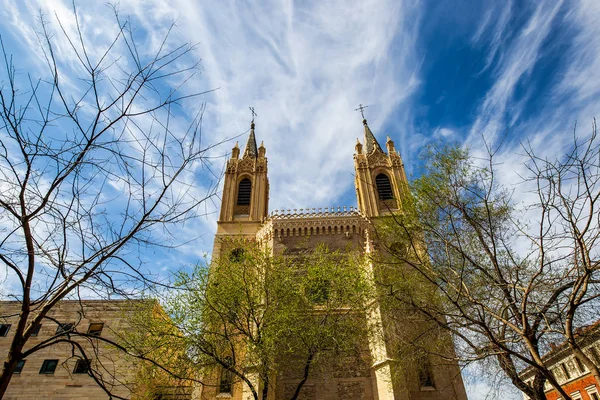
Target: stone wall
[(117, 370)]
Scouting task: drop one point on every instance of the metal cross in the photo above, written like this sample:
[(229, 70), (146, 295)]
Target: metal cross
[(361, 108), (253, 113)]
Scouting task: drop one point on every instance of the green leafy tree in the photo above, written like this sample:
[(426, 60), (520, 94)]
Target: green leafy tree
[(506, 281), (251, 314)]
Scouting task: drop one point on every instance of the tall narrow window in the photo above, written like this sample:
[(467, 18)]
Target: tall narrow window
[(226, 382), (244, 192), (565, 370), (384, 187), (425, 374), (580, 365)]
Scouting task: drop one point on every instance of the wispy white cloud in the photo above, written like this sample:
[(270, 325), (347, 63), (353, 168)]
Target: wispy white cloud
[(517, 60)]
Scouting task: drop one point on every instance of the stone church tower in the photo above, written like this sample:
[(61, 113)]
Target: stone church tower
[(380, 182)]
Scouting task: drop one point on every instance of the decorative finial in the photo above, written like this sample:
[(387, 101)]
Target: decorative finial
[(253, 114), (361, 108)]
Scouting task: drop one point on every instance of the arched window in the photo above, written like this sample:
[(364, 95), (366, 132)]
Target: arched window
[(226, 381), (244, 192), (384, 187)]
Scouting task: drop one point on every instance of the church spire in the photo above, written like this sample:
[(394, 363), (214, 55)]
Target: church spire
[(251, 150), (370, 141)]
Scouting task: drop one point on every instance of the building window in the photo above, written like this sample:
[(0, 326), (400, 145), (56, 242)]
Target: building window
[(318, 291), (4, 328), (64, 328), (384, 187), (226, 382), (237, 255), (48, 366), (594, 355), (19, 367), (565, 370), (425, 374), (244, 192), (576, 396), (592, 392), (95, 328), (81, 367), (580, 365), (36, 330)]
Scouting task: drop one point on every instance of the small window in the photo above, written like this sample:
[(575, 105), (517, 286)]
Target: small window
[(81, 367), (425, 374), (244, 192), (4, 328), (64, 328), (594, 396), (36, 330), (236, 255), (384, 187), (48, 367), (19, 367), (318, 291), (226, 382), (95, 328)]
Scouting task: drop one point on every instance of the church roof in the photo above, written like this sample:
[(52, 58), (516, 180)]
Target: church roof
[(251, 150), (370, 141)]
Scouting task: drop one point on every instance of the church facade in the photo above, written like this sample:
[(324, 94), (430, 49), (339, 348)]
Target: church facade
[(381, 183)]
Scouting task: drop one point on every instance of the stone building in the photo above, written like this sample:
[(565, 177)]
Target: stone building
[(571, 374), (380, 182), (58, 370)]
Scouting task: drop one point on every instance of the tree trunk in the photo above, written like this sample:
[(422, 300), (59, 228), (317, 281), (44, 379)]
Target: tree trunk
[(304, 377), (265, 389), (8, 369)]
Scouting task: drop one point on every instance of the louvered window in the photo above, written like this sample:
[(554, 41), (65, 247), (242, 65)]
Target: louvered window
[(244, 192), (384, 188)]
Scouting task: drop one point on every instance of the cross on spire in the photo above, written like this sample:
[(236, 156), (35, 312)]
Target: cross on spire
[(253, 113), (361, 108)]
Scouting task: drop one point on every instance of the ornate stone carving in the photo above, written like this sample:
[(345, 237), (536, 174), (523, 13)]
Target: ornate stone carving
[(246, 165), (378, 159), (396, 160)]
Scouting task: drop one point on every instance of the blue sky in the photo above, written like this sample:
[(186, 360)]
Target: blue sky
[(431, 70)]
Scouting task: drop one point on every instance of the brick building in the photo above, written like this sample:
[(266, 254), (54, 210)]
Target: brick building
[(59, 371), (573, 376), (380, 183)]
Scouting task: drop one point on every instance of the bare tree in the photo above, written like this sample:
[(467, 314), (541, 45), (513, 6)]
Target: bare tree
[(94, 169), (506, 282)]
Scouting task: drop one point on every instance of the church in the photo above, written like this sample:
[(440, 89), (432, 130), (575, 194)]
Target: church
[(381, 183)]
